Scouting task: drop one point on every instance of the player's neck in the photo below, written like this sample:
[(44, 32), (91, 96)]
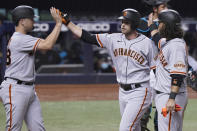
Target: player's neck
[(20, 30), (131, 35)]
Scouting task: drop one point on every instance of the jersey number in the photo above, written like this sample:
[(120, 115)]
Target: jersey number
[(8, 57)]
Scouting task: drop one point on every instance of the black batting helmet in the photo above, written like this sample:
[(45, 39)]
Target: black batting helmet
[(22, 11), (155, 2), (131, 15), (170, 17)]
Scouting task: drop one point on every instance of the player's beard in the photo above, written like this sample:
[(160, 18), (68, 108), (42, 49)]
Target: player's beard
[(130, 32), (127, 31)]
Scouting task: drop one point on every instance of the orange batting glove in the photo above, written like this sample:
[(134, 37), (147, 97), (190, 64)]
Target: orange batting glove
[(164, 110)]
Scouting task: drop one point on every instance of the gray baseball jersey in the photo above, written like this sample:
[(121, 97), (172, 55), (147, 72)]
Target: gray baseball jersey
[(18, 91), (172, 59), (133, 60), (22, 65)]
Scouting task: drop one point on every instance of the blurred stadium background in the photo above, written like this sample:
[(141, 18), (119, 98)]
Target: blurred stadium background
[(75, 68)]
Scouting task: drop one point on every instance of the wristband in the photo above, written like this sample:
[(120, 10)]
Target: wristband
[(65, 18), (172, 95), (66, 22)]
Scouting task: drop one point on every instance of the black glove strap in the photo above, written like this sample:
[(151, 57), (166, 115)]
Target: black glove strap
[(172, 95), (67, 22), (66, 19)]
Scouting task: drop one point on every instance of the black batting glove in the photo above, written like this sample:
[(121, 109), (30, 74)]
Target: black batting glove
[(65, 18)]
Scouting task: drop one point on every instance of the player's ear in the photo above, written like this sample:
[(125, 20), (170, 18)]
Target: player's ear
[(21, 22)]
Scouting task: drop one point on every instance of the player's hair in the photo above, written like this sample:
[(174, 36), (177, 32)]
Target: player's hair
[(171, 32), (172, 24)]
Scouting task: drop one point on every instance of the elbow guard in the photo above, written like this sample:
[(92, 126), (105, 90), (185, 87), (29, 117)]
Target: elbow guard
[(177, 79)]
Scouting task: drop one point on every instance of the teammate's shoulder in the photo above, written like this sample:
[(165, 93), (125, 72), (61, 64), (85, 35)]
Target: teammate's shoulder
[(115, 35), (145, 38), (16, 37), (19, 35), (22, 38), (177, 41)]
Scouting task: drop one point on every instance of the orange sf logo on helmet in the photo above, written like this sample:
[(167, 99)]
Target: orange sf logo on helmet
[(124, 13)]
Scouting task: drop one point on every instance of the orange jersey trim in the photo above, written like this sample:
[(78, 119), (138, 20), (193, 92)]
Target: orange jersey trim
[(153, 67), (10, 96), (159, 44), (177, 72), (139, 110), (99, 41), (34, 49), (169, 124)]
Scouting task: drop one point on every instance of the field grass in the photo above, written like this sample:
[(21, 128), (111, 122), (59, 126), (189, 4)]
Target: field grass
[(92, 116)]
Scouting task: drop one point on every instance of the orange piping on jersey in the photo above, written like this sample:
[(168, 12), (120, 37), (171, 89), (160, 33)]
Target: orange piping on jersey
[(177, 72), (139, 111), (169, 124), (10, 96), (159, 44), (99, 41), (34, 49), (153, 67)]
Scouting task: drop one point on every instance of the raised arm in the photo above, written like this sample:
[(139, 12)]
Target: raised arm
[(46, 44), (80, 33), (75, 29), (153, 29)]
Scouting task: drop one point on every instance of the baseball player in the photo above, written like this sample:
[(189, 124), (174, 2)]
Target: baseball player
[(132, 54), (171, 71), (157, 6), (18, 89)]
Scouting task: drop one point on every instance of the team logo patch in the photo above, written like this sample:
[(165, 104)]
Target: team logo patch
[(124, 13), (179, 65)]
